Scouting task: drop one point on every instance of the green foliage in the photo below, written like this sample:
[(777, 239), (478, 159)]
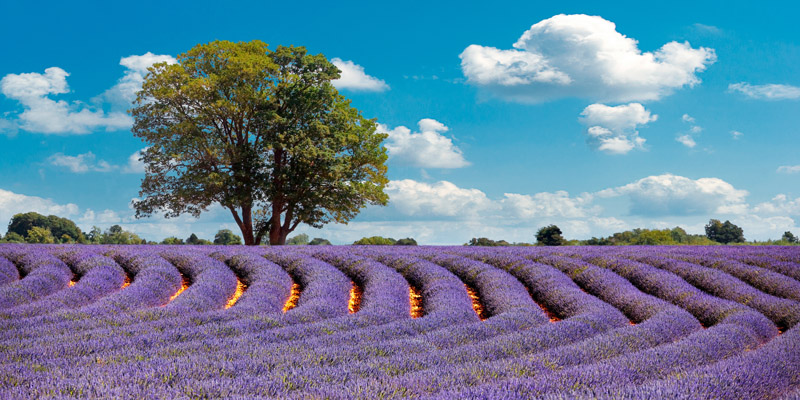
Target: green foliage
[(269, 138), (789, 237), (297, 240), (193, 239), (116, 235), (725, 232), (22, 223), (13, 237), (320, 242), (227, 237), (652, 237), (172, 240), (487, 242), (38, 234), (406, 242), (375, 240), (550, 236)]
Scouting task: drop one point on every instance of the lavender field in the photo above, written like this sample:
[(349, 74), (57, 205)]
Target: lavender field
[(399, 322)]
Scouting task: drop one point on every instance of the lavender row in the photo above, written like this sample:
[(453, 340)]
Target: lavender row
[(763, 279), (8, 271), (98, 276), (42, 274)]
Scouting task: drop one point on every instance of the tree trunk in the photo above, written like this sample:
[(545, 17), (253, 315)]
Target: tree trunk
[(245, 224)]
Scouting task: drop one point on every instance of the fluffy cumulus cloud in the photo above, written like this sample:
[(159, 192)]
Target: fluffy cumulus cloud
[(81, 163), (42, 114), (428, 148), (613, 130), (766, 92), (441, 199), (354, 78), (124, 92), (582, 56), (558, 204), (779, 205), (672, 195), (13, 203)]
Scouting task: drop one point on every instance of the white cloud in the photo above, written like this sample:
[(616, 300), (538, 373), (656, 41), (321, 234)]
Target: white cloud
[(442, 199), (81, 163), (582, 56), (780, 204), (736, 134), (135, 166), (44, 115), (103, 217), (687, 118), (124, 92), (613, 129), (686, 140), (669, 194), (545, 204), (354, 78), (766, 92), (789, 169), (426, 149), (13, 203)]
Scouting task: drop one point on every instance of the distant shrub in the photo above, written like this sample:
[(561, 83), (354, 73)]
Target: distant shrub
[(375, 240), (40, 235), (301, 239), (406, 242), (550, 236), (487, 242), (13, 237), (319, 241), (724, 232), (172, 240), (227, 237)]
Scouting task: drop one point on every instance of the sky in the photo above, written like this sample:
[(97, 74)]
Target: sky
[(502, 117)]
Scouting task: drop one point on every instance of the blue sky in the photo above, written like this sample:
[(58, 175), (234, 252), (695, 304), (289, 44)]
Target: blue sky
[(503, 117)]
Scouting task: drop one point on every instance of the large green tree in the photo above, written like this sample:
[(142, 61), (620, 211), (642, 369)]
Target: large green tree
[(262, 133), (22, 223), (724, 232)]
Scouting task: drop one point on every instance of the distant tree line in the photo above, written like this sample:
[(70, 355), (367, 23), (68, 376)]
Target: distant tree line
[(717, 232), (32, 227)]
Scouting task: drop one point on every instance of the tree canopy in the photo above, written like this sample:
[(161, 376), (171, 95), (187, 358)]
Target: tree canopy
[(21, 224), (262, 133), (725, 232), (550, 235), (226, 237)]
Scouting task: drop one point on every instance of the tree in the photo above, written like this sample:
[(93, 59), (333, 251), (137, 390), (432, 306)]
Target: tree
[(193, 239), (262, 133), (319, 242), (725, 232), (95, 236), (116, 235), (789, 237), (172, 240), (22, 223), (38, 234), (375, 240), (487, 242), (13, 237), (226, 237), (300, 239), (406, 242), (550, 235)]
